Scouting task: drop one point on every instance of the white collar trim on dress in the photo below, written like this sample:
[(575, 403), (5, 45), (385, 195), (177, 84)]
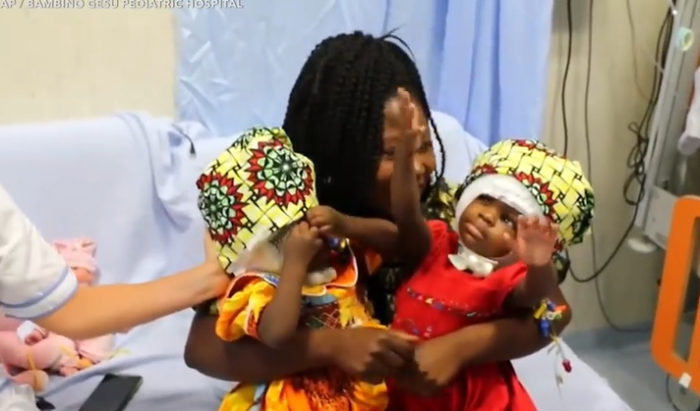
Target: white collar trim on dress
[(467, 260)]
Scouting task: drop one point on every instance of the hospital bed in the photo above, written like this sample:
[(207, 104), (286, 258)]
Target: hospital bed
[(128, 182)]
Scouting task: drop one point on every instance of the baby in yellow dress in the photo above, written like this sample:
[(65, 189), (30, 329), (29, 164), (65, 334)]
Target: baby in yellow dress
[(254, 198)]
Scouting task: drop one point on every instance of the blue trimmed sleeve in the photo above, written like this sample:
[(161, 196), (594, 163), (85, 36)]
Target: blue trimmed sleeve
[(34, 279)]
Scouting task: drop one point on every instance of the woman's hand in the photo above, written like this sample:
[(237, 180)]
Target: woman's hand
[(210, 253), (436, 365), (218, 280), (371, 354)]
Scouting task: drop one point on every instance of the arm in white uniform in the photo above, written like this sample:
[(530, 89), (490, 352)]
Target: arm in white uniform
[(34, 279), (36, 284)]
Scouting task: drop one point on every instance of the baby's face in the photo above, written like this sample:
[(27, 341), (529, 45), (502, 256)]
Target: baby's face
[(484, 225)]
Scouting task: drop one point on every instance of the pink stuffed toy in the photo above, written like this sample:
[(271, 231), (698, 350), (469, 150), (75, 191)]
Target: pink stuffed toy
[(24, 363), (43, 350)]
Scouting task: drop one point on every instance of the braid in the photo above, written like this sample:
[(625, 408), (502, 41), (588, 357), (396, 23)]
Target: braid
[(335, 114)]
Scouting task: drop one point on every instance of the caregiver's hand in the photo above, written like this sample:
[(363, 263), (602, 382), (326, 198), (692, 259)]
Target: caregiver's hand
[(210, 253), (371, 354), (436, 365), (129, 305), (219, 279), (31, 267)]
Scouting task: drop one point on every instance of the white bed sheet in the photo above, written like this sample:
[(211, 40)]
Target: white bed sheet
[(115, 179)]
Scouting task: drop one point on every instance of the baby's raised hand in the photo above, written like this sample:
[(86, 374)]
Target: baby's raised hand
[(411, 126), (535, 240)]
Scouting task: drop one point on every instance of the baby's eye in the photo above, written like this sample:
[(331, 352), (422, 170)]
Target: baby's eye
[(509, 221), (389, 152)]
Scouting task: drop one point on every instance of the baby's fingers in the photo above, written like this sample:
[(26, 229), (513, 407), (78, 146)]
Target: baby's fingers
[(544, 225), (301, 229), (553, 230), (407, 110), (524, 223), (313, 232), (312, 221)]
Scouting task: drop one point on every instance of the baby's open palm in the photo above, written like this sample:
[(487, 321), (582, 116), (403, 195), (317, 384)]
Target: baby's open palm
[(535, 240)]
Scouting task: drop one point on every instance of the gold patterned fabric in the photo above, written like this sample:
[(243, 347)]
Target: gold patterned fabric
[(257, 187), (531, 162)]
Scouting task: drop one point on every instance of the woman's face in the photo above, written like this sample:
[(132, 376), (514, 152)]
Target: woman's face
[(424, 157)]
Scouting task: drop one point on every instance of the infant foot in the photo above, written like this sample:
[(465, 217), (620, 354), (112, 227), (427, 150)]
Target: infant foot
[(34, 337), (67, 371)]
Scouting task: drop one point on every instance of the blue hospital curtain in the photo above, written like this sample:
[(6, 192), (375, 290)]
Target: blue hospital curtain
[(493, 74), (482, 61)]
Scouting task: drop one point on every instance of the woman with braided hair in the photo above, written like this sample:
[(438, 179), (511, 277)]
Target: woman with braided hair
[(338, 117)]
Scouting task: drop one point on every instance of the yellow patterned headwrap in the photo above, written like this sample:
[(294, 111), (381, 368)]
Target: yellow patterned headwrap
[(560, 190), (256, 187)]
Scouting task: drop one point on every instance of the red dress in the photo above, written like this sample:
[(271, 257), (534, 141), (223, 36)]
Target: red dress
[(440, 299)]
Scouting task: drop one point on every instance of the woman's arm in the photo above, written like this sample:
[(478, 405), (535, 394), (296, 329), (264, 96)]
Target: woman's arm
[(248, 360), (106, 309), (505, 339), (37, 285)]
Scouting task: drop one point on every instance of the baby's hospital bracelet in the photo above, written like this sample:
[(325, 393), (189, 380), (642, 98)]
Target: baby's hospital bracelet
[(546, 314)]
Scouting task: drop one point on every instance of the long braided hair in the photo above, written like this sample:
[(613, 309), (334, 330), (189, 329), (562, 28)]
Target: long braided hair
[(335, 114)]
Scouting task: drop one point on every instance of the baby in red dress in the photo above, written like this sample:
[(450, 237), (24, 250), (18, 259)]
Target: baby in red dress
[(520, 204)]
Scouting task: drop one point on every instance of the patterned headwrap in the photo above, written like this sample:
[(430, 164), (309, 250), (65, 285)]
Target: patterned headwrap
[(256, 188), (520, 171)]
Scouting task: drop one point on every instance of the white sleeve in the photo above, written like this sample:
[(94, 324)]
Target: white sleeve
[(34, 279)]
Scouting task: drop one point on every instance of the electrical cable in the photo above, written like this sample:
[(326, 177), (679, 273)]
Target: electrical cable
[(565, 77), (640, 129), (636, 161), (668, 394), (636, 158)]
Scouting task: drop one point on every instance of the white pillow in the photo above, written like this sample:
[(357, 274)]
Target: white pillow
[(461, 148)]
